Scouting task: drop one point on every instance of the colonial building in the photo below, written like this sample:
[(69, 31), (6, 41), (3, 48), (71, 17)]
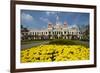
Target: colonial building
[(54, 31)]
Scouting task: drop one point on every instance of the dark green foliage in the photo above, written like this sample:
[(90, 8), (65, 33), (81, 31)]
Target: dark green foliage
[(63, 42), (69, 42)]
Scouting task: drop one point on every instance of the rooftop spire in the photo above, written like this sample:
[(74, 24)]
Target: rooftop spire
[(57, 19), (65, 24), (49, 24)]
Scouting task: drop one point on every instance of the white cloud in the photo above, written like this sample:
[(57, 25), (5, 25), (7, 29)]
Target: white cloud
[(50, 13), (44, 19), (26, 17)]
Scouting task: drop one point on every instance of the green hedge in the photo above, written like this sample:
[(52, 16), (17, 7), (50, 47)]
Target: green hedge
[(68, 42), (63, 42)]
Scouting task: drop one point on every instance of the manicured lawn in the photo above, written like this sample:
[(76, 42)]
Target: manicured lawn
[(58, 42), (31, 41)]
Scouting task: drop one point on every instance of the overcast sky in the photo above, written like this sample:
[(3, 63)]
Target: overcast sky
[(33, 19)]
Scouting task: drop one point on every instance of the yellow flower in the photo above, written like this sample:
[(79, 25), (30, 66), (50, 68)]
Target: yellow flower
[(49, 53)]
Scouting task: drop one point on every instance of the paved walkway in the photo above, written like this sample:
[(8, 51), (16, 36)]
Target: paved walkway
[(25, 46)]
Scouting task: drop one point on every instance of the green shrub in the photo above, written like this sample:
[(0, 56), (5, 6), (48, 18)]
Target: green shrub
[(68, 42), (63, 42)]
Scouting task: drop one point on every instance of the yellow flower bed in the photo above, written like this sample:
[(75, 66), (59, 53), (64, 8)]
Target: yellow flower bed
[(49, 53)]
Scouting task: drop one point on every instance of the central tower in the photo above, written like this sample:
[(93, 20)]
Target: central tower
[(57, 20)]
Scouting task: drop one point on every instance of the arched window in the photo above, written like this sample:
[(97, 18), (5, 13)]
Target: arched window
[(49, 33), (35, 33), (72, 33), (42, 33), (64, 32), (68, 32), (59, 32), (46, 32), (53, 33)]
